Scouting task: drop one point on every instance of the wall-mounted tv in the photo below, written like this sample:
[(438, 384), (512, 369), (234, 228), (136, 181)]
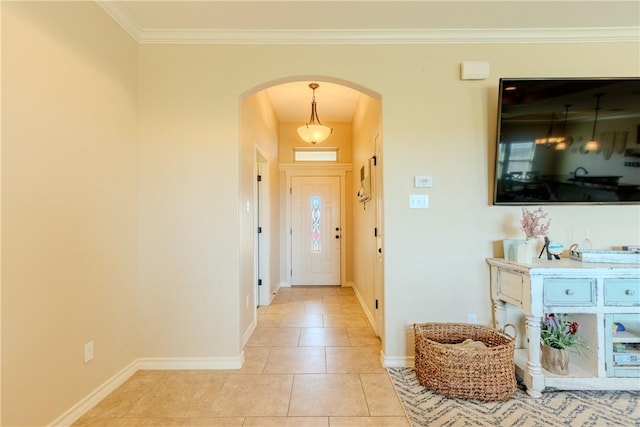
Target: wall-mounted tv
[(568, 140)]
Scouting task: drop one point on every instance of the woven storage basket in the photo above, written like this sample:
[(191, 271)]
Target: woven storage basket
[(467, 373)]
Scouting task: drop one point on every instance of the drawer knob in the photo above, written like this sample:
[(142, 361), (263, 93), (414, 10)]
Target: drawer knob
[(630, 292), (568, 292)]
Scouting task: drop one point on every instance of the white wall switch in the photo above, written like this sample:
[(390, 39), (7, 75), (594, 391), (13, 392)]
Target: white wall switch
[(423, 181), (418, 201), (88, 352)]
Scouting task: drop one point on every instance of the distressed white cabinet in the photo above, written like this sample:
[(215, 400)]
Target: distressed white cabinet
[(595, 295)]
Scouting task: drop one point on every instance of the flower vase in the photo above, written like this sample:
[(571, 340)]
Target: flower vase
[(524, 252), (555, 360)]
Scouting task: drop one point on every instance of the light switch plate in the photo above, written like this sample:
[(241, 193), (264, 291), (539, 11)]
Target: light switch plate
[(88, 352), (423, 181), (418, 201)]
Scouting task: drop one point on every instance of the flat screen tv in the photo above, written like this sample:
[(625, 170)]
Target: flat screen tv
[(568, 140)]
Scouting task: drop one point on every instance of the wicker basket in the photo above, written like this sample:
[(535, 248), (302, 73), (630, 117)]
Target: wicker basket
[(481, 374)]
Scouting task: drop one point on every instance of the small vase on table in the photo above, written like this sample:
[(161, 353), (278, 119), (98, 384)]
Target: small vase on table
[(524, 252)]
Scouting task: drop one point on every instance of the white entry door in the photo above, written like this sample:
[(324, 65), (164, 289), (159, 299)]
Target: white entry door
[(315, 230)]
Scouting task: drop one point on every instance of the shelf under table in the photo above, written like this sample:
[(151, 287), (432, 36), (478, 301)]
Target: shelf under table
[(577, 379)]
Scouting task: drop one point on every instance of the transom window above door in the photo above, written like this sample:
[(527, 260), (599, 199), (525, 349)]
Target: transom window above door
[(303, 154)]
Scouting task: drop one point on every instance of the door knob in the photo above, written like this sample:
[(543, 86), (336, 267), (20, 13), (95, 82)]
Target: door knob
[(337, 236)]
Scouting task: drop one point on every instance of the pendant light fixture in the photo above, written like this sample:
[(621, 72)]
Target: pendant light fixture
[(592, 144), (550, 139), (314, 132), (562, 145)]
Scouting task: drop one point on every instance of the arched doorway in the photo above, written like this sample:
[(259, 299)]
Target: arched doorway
[(271, 114)]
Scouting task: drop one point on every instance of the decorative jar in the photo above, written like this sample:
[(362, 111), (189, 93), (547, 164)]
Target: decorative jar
[(524, 252), (555, 360)]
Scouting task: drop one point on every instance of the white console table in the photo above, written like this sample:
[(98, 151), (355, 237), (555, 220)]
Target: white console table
[(593, 294)]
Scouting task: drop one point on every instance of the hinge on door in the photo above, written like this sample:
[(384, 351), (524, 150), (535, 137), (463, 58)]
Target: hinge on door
[(375, 231), (291, 232), (259, 178), (290, 190), (259, 282), (375, 161), (259, 230), (376, 304)]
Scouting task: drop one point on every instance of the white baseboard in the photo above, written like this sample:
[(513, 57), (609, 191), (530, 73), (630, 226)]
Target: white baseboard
[(366, 311), (247, 334), (149, 363), (397, 361), (93, 398), (274, 293)]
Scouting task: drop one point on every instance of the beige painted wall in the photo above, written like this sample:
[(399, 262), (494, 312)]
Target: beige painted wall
[(433, 124), (259, 130), (69, 206), (435, 268), (73, 192), (366, 127), (189, 206)]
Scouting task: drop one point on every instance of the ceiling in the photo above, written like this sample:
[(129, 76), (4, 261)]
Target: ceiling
[(367, 22), (334, 102)]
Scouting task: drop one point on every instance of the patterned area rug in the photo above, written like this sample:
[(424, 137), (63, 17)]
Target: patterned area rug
[(554, 408)]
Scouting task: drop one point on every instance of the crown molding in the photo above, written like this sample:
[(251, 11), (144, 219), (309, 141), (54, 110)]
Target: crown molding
[(370, 36), (118, 14), (409, 36)]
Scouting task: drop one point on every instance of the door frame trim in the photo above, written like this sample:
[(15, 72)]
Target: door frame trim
[(295, 169)]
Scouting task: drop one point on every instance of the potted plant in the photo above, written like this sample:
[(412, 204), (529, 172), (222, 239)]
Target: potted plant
[(557, 337)]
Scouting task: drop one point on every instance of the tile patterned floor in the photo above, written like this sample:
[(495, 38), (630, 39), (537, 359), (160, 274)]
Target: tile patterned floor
[(312, 361)]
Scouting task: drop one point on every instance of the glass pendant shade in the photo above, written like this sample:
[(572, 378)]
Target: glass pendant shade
[(314, 134)]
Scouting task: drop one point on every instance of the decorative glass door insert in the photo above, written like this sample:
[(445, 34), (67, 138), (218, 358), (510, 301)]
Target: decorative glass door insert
[(315, 214)]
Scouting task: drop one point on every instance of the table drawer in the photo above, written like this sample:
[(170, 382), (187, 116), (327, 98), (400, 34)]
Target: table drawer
[(622, 291), (511, 287), (569, 291)]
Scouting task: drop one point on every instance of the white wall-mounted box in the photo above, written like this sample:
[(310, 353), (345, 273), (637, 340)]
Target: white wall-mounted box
[(474, 70)]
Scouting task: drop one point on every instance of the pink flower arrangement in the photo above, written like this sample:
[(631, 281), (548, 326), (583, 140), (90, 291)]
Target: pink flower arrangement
[(532, 223)]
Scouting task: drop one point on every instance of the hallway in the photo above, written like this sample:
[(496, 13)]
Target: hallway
[(313, 360)]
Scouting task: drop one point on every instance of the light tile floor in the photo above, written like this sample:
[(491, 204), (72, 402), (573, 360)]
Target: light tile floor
[(313, 360)]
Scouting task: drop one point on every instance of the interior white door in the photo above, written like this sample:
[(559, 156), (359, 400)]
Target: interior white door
[(315, 230)]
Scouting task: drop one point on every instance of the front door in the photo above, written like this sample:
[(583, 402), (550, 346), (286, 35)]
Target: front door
[(315, 230)]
